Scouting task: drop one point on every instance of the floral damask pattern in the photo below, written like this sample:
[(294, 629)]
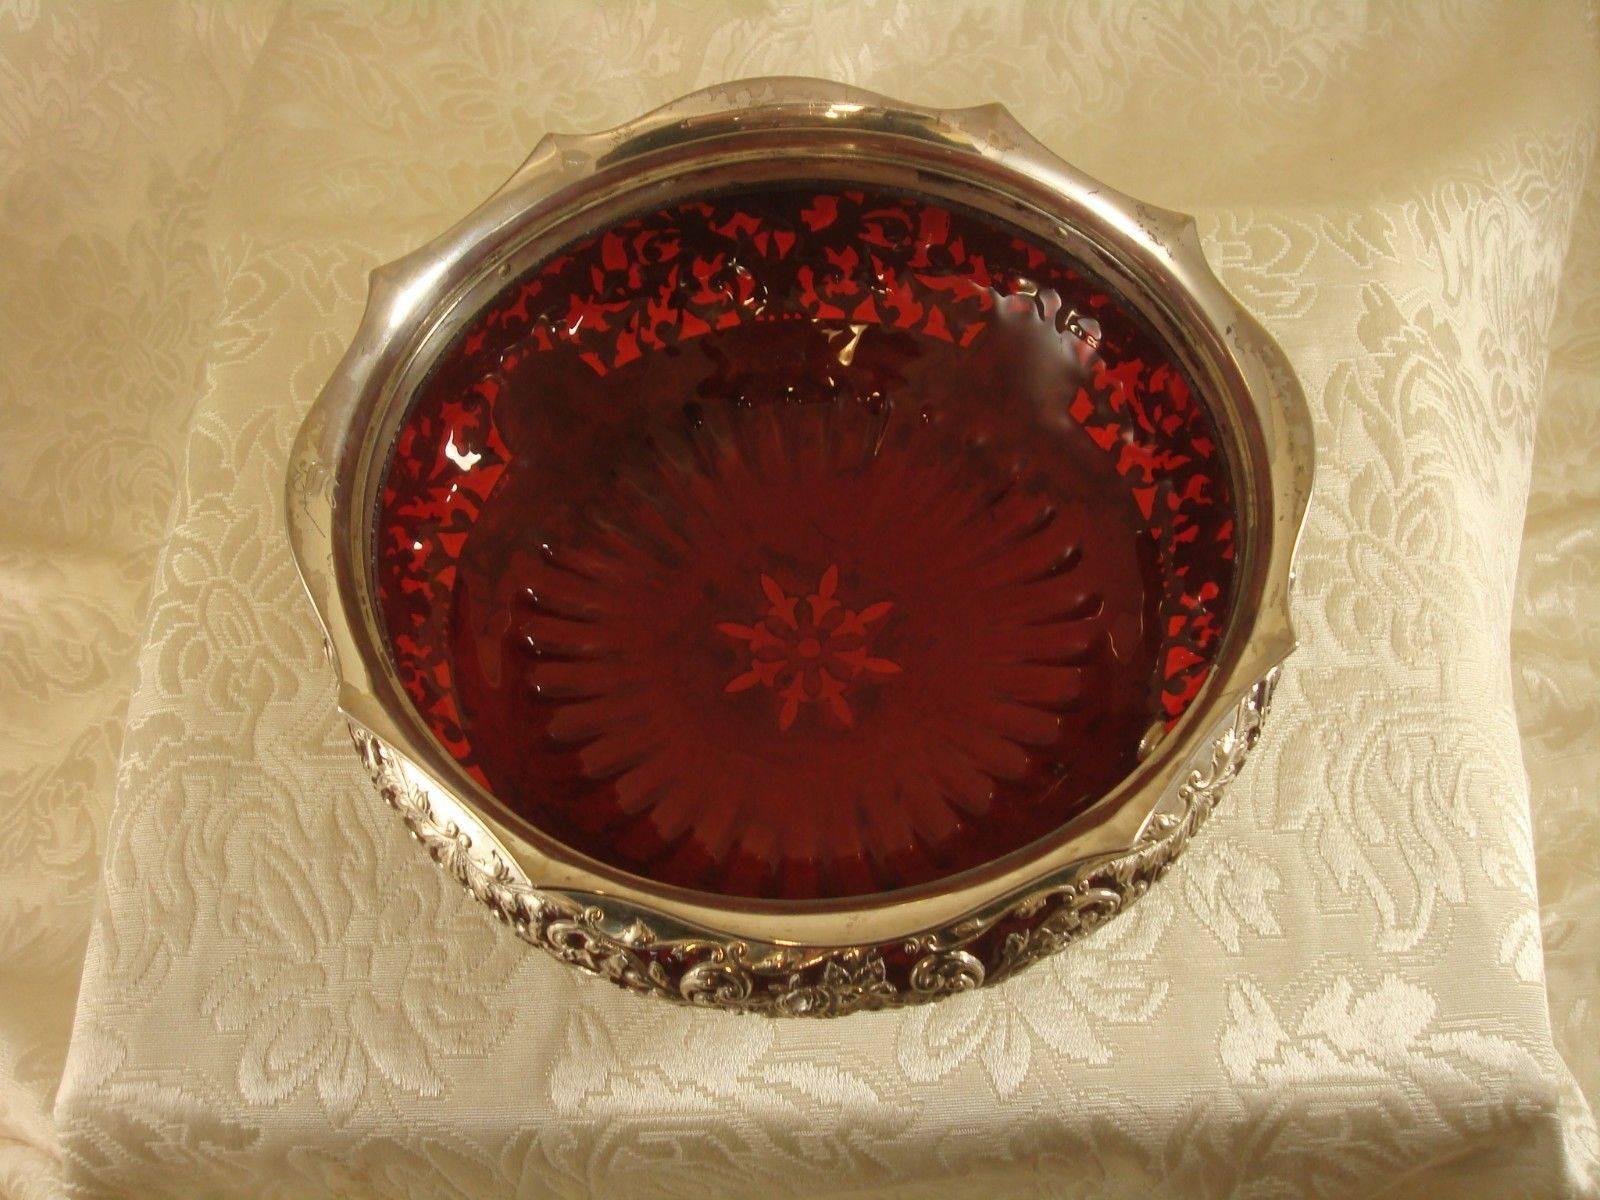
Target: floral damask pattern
[(1069, 1020), (794, 1110), (104, 327), (333, 994), (1556, 657), (1337, 991)]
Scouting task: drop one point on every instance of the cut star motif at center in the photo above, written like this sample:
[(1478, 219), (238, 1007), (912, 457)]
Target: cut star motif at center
[(810, 649)]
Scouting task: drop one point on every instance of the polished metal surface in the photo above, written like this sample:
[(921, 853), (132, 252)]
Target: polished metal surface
[(822, 957)]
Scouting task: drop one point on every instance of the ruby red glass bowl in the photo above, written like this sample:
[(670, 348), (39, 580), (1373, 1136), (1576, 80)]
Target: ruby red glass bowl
[(803, 542)]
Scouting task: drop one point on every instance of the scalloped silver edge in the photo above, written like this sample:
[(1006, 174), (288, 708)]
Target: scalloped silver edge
[(635, 941)]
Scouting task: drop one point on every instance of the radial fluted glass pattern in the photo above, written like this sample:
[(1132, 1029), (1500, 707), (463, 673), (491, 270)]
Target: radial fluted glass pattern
[(803, 543)]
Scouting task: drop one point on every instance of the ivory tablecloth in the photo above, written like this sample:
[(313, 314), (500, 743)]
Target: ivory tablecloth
[(1343, 990)]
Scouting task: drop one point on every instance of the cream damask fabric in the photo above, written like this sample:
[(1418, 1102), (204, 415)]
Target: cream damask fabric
[(1341, 991), (1556, 655)]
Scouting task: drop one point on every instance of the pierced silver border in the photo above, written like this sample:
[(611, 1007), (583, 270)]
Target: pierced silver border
[(821, 958)]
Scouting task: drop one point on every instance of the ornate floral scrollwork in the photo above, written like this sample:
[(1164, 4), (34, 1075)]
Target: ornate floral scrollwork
[(718, 982), (851, 980), (940, 972), (728, 974)]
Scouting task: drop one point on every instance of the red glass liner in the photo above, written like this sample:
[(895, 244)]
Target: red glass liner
[(803, 543)]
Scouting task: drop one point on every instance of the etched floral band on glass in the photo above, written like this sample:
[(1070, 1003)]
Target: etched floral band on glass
[(793, 552)]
